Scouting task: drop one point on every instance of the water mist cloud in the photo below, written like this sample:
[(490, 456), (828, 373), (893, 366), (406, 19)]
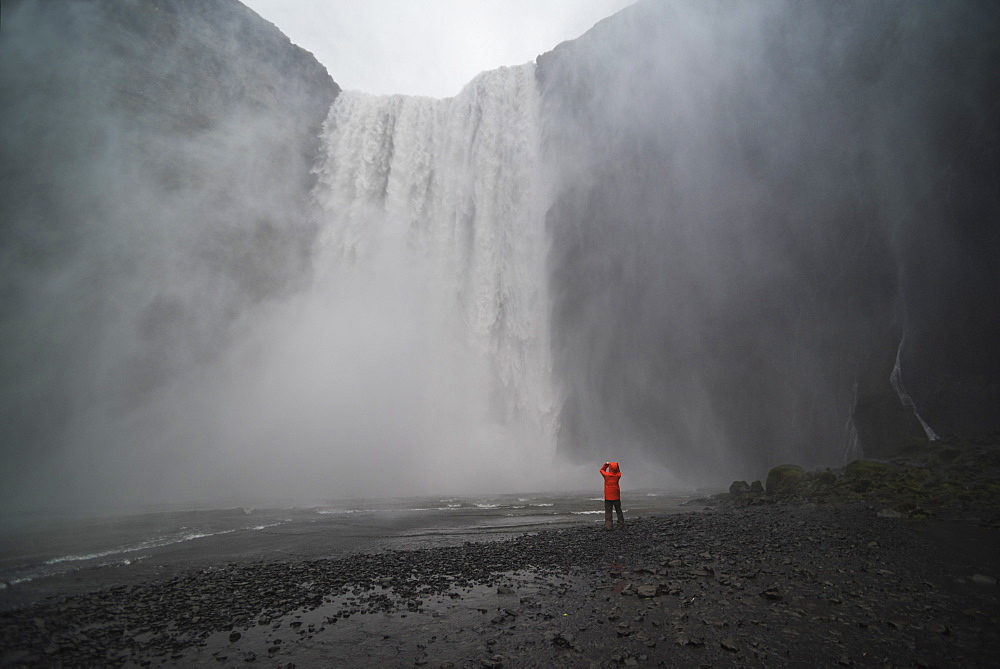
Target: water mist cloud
[(696, 248), (146, 206), (736, 185)]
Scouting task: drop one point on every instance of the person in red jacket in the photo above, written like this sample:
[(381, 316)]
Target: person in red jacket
[(612, 494)]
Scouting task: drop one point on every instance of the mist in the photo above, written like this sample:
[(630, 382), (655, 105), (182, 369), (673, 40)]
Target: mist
[(152, 195), (741, 188), (699, 240)]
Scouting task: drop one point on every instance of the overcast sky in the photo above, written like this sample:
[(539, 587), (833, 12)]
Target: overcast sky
[(428, 47)]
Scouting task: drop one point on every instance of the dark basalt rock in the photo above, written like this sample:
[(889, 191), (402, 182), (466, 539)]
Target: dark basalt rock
[(779, 583), (762, 316), (739, 488), (784, 479), (194, 124)]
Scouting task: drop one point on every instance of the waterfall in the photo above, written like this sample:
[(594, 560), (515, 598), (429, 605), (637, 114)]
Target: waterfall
[(432, 235), (852, 447), (896, 379)]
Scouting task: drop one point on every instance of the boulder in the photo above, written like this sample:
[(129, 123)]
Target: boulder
[(739, 488), (785, 479), (826, 477)]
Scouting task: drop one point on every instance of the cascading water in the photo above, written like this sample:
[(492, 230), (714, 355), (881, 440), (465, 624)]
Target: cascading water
[(432, 251), (896, 380)]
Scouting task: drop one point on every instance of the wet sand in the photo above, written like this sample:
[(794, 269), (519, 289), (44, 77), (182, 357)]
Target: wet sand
[(766, 585)]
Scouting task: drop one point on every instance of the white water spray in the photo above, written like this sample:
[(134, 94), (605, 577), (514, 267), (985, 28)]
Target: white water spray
[(417, 358), (432, 257)]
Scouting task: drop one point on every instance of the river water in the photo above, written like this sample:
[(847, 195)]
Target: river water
[(69, 553)]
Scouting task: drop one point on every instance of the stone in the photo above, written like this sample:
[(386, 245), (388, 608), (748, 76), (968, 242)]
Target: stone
[(647, 591), (826, 477), (730, 644), (739, 488), (890, 513), (785, 479)]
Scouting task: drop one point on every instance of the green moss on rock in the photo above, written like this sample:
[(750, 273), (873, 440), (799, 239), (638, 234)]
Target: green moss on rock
[(785, 479), (867, 470)]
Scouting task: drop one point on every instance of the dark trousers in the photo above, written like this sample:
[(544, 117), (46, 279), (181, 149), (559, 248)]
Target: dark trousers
[(615, 504)]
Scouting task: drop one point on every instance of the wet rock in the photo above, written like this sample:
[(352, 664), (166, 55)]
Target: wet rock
[(738, 488), (784, 479), (647, 591), (890, 513), (866, 470), (560, 639), (825, 563), (690, 640)]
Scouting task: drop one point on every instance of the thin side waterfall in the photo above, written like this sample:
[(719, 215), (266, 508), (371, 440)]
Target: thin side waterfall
[(852, 446), (433, 253), (896, 379)]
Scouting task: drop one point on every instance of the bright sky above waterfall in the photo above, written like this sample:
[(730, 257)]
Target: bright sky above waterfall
[(428, 47)]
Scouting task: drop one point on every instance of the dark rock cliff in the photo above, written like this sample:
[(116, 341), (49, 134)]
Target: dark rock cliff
[(155, 161), (759, 209), (755, 205)]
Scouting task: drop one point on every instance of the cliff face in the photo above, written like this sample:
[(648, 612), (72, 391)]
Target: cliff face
[(771, 224), (755, 206), (156, 159)]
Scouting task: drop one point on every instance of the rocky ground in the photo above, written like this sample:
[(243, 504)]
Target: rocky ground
[(767, 585), (864, 577)]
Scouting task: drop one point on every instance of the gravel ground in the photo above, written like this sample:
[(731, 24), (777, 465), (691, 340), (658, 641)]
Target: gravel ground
[(764, 585)]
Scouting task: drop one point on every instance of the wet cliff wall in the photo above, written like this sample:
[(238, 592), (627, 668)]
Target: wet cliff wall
[(763, 210), (156, 159)]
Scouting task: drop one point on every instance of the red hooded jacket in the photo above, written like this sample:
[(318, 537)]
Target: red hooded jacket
[(611, 474)]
